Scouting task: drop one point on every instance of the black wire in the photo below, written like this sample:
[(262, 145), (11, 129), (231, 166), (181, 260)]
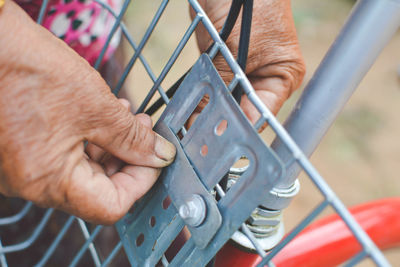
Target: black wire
[(244, 43), (226, 30), (170, 92), (231, 19), (245, 31), (243, 51)]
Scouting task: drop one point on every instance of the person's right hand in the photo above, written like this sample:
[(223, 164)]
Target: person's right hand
[(51, 101), (275, 66)]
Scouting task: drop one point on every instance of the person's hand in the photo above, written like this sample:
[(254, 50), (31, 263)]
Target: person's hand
[(275, 66), (51, 101)]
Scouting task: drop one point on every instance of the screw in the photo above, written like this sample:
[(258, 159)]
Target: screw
[(184, 211), (193, 210)]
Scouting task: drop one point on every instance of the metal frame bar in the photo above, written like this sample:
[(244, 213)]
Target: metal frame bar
[(368, 29), (15, 218), (92, 249), (56, 241), (112, 254), (139, 49), (169, 64), (3, 259), (111, 34), (85, 246), (370, 26), (356, 259), (295, 231), (29, 241)]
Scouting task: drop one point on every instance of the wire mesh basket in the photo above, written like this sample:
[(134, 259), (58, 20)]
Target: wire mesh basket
[(33, 236)]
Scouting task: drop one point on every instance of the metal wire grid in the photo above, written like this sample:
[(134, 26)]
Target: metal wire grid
[(330, 199)]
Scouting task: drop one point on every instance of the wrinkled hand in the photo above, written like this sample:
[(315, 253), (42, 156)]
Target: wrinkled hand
[(51, 102), (275, 66)]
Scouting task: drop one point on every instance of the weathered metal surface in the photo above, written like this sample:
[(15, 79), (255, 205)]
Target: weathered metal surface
[(196, 170)]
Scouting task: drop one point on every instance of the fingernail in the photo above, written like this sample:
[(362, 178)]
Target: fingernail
[(164, 149)]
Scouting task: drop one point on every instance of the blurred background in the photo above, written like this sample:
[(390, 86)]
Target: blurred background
[(359, 155)]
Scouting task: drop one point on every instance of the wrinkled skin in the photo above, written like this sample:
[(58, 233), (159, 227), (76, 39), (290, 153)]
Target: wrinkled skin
[(52, 101), (275, 66)]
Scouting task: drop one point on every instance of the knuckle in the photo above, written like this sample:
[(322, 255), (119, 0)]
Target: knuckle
[(113, 128), (295, 71), (132, 135)]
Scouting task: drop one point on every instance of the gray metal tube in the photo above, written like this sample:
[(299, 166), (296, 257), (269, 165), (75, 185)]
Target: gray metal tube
[(369, 28)]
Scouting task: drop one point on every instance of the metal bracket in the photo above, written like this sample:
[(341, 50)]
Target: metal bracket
[(181, 182), (149, 229)]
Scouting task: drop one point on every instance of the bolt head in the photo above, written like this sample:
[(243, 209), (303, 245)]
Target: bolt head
[(184, 211), (193, 211)]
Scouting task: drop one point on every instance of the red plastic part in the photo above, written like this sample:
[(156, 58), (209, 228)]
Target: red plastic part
[(328, 242)]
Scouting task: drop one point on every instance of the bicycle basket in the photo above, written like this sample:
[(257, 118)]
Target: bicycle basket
[(189, 196)]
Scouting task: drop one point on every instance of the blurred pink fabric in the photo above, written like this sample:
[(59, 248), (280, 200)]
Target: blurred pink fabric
[(83, 24)]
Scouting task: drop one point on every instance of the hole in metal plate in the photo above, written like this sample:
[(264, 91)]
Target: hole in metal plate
[(196, 112), (140, 240), (166, 202), (221, 127), (204, 150), (177, 244), (152, 221), (235, 173)]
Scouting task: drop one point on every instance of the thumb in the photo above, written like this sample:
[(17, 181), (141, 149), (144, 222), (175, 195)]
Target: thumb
[(129, 137)]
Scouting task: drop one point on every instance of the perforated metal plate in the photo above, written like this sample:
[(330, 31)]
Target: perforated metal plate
[(380, 18), (196, 172)]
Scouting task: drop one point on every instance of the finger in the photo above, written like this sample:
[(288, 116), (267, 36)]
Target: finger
[(107, 161), (129, 137), (111, 163), (271, 91), (101, 199), (97, 153), (273, 84), (145, 120), (125, 103), (275, 66)]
